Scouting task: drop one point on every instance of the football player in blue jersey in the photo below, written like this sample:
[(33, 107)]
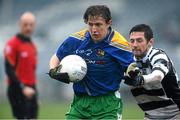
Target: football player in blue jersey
[(107, 54)]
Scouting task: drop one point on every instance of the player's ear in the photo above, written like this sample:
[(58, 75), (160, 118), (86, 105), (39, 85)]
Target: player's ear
[(151, 42), (109, 23)]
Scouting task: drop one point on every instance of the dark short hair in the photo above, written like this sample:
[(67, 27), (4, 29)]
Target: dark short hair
[(148, 33), (97, 10)]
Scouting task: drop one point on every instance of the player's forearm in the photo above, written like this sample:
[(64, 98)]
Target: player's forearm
[(54, 67), (54, 62), (155, 76)]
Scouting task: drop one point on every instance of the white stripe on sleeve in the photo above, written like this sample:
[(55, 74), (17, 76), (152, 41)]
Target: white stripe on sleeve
[(155, 76)]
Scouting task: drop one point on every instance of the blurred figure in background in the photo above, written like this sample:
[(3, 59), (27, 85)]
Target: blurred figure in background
[(20, 66)]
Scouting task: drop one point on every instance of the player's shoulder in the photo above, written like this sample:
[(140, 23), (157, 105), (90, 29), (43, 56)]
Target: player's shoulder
[(80, 35), (119, 41), (157, 54), (11, 45), (13, 41), (159, 50)]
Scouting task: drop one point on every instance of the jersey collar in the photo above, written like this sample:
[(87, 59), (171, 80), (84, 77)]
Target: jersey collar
[(109, 36), (23, 38)]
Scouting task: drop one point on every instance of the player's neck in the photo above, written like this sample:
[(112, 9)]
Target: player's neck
[(23, 37)]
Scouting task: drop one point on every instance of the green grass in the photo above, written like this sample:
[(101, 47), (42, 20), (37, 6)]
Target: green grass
[(132, 111), (58, 110), (53, 110)]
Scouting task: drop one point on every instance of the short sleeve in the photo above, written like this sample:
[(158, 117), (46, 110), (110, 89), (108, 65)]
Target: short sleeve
[(66, 48), (11, 52)]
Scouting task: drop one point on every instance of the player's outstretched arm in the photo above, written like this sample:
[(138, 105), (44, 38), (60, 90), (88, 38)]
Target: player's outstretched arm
[(54, 69), (133, 77)]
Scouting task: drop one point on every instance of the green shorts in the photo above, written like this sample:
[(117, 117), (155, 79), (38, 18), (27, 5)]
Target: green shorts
[(100, 107)]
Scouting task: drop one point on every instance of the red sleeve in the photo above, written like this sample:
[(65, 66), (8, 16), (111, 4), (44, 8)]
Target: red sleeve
[(10, 52)]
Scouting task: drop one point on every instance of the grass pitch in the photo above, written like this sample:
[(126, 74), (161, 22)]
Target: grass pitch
[(50, 110)]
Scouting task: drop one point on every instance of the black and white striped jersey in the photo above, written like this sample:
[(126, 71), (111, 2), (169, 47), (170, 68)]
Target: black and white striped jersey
[(158, 99)]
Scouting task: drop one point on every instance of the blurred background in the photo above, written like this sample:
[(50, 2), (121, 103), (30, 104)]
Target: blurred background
[(56, 19)]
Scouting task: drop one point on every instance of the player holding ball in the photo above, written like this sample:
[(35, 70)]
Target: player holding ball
[(107, 55)]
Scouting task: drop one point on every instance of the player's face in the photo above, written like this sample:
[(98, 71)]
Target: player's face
[(98, 27), (27, 27), (139, 44)]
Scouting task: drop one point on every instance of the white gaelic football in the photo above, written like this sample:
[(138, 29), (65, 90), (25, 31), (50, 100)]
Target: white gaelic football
[(75, 66)]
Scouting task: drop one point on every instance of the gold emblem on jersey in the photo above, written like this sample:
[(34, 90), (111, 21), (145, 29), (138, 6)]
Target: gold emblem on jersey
[(100, 53)]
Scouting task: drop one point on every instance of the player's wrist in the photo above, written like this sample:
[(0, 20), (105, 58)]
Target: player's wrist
[(136, 81), (140, 80), (63, 77), (52, 72)]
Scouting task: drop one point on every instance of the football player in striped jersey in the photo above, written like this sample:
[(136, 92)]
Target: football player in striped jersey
[(152, 76)]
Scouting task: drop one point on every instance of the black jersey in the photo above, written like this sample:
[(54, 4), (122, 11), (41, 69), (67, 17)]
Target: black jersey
[(158, 99)]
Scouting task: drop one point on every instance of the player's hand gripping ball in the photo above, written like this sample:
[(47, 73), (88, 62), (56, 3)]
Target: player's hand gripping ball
[(75, 66)]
